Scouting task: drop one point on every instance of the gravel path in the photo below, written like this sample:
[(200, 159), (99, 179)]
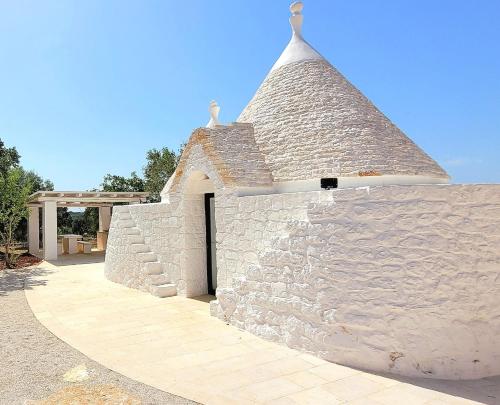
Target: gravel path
[(33, 361)]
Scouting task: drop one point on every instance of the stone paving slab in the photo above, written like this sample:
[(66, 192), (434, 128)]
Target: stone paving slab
[(38, 368), (173, 344)]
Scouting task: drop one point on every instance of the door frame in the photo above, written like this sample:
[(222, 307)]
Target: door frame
[(208, 238)]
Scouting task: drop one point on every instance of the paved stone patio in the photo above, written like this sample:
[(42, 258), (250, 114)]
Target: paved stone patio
[(37, 368), (174, 345)]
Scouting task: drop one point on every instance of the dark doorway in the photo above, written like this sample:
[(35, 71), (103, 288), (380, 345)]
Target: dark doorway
[(211, 245)]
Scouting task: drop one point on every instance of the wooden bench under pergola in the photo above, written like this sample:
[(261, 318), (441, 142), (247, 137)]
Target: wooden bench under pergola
[(48, 201)]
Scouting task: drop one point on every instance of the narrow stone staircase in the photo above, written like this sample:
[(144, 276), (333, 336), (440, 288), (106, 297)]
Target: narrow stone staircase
[(156, 281)]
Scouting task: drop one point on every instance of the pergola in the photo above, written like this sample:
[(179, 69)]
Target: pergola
[(48, 201)]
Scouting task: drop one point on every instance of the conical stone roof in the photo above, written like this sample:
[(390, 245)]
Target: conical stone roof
[(311, 122)]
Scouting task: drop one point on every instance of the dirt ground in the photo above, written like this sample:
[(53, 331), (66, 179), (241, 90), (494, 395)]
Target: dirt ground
[(24, 260)]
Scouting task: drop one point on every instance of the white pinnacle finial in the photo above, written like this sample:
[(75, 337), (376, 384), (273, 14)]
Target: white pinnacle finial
[(297, 49), (214, 114), (297, 17)]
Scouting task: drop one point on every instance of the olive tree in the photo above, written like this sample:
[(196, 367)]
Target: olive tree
[(15, 188), (160, 166)]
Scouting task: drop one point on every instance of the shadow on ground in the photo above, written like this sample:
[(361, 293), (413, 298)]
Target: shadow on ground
[(22, 279), (79, 258), (485, 390), (204, 298)]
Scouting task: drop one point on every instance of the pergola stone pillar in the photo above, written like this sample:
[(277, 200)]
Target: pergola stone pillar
[(50, 230), (50, 200), (104, 224), (104, 218), (34, 231)]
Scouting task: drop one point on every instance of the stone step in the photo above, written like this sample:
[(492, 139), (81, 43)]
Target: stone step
[(147, 257), (126, 223), (132, 231), (164, 290), (157, 279), (152, 268), (139, 248), (136, 238), (124, 215)]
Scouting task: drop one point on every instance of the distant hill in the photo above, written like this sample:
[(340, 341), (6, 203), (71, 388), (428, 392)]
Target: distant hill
[(75, 215)]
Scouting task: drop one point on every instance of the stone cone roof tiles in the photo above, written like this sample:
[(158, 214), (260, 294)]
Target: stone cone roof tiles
[(311, 122), (232, 151)]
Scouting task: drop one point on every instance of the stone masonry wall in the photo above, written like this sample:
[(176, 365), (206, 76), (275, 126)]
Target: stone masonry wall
[(247, 226), (159, 225), (404, 279), (173, 230), (177, 240), (121, 266)]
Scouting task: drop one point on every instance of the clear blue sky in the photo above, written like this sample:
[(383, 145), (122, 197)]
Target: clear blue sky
[(86, 87)]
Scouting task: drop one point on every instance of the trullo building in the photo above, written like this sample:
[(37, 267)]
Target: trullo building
[(317, 223)]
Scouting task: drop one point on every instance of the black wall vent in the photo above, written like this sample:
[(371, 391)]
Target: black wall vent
[(329, 182)]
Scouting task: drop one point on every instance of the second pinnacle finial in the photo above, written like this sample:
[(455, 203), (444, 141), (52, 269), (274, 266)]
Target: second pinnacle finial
[(297, 17), (214, 114)]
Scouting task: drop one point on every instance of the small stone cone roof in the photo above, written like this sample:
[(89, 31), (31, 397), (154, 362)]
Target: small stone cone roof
[(311, 122), (233, 153)]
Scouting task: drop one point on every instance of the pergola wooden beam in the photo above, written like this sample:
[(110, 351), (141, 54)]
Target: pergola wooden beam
[(86, 198), (50, 200)]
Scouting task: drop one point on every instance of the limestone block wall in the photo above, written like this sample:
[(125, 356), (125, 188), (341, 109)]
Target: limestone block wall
[(174, 230), (159, 225), (121, 266), (247, 227), (193, 277), (403, 279)]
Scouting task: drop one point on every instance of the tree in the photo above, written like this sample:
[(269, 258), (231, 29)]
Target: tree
[(91, 220), (112, 182), (8, 158), (64, 221), (15, 188), (160, 166), (78, 226), (37, 184), (86, 222)]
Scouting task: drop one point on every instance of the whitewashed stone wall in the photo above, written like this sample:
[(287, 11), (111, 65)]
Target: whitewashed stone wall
[(120, 265), (173, 230), (247, 227), (403, 279), (159, 225)]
